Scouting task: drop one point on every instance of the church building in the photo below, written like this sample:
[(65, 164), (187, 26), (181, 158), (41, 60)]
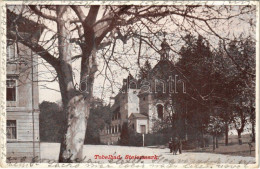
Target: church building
[(142, 102)]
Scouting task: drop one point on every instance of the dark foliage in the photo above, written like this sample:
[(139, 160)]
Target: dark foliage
[(51, 120), (125, 135), (98, 117), (145, 70)]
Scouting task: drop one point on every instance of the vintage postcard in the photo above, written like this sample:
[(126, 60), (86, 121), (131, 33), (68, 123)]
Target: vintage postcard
[(151, 84)]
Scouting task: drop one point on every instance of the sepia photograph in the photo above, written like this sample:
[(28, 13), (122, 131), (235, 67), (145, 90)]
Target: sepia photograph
[(141, 84)]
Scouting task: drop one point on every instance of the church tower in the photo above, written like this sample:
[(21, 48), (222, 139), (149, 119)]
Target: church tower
[(164, 52)]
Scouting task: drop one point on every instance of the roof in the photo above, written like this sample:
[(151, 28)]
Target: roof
[(165, 44), (138, 115), (165, 65)]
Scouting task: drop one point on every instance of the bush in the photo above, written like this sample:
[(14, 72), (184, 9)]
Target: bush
[(124, 136), (156, 139), (51, 121), (129, 137), (136, 139)]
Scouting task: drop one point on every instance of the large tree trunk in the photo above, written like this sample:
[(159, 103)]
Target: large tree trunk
[(75, 103), (252, 119), (72, 144), (239, 137), (202, 139), (241, 128), (253, 131), (214, 142), (226, 133)]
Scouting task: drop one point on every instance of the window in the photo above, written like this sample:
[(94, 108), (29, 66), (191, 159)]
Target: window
[(132, 84), (116, 129), (11, 130), (11, 51), (11, 90), (143, 129), (160, 111)]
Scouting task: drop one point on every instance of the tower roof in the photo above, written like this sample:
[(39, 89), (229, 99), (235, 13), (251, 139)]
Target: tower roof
[(164, 52), (165, 44)]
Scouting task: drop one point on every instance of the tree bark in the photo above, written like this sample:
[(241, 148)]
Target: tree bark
[(226, 133), (72, 145), (252, 119), (202, 139), (75, 103), (241, 129), (239, 137), (214, 143), (253, 131)]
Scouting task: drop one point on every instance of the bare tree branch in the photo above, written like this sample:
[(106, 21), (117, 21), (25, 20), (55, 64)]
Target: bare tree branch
[(40, 13)]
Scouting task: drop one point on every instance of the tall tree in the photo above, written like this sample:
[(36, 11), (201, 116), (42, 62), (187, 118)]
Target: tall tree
[(195, 64), (243, 51), (145, 70), (234, 88)]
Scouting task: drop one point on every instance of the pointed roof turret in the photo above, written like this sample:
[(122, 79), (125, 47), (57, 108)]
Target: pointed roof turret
[(165, 50), (164, 44)]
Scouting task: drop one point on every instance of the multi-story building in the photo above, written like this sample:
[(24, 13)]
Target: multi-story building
[(142, 102), (22, 96), (125, 103)]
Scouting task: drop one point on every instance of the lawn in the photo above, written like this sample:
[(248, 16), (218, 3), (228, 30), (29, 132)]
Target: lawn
[(235, 149)]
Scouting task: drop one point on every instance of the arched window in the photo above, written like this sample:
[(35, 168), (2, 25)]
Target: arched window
[(160, 111)]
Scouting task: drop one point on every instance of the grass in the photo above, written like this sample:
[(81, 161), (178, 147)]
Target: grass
[(234, 149)]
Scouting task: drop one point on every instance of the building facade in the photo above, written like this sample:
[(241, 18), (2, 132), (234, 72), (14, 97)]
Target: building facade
[(140, 103), (22, 99), (125, 103)]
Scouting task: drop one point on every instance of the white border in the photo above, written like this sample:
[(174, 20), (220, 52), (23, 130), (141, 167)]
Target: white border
[(87, 165)]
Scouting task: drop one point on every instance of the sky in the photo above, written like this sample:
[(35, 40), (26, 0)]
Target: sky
[(103, 89)]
